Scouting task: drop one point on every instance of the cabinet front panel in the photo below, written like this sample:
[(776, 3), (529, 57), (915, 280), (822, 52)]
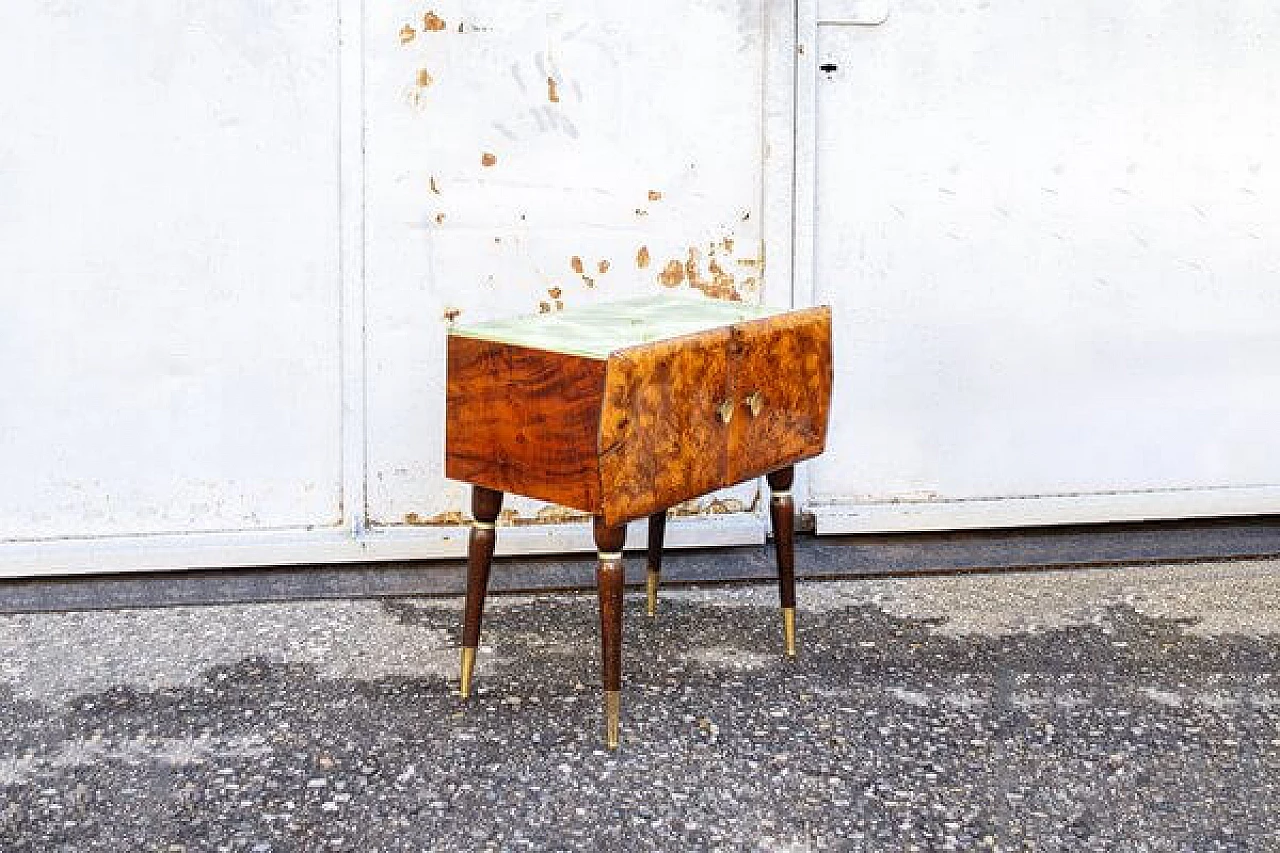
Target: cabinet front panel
[(780, 376), (661, 437)]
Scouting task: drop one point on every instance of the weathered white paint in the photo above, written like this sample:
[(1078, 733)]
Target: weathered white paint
[(1049, 235), (169, 261), (226, 266), (608, 129)]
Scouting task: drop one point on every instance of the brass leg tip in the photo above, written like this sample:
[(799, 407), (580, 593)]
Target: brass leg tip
[(652, 588), (789, 629), (612, 717), (468, 666)]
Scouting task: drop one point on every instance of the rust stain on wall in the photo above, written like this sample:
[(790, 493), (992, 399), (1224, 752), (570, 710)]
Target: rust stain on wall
[(432, 22), (642, 257), (487, 159), (672, 274), (716, 506)]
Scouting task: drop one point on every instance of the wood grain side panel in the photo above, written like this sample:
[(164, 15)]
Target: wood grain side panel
[(787, 360), (525, 421), (660, 438)]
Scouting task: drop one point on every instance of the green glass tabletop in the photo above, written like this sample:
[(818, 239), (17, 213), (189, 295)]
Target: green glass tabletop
[(596, 331)]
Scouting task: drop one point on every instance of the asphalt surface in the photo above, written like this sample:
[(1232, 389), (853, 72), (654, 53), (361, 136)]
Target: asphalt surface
[(1127, 709)]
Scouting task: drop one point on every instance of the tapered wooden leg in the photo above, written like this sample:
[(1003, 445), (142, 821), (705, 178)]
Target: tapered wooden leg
[(485, 505), (782, 512), (609, 579), (657, 529)]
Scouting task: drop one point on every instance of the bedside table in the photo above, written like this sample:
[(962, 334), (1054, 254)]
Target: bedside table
[(623, 410)]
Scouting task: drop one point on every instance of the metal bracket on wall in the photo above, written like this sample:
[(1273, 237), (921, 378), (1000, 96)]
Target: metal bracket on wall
[(863, 13)]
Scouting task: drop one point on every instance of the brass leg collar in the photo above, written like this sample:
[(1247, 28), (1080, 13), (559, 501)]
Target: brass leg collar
[(789, 629), (468, 666), (652, 608), (612, 717)]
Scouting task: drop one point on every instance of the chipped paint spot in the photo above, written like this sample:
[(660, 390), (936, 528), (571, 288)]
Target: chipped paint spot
[(715, 506), (487, 159), (432, 22), (552, 95), (407, 34), (642, 257), (654, 195), (575, 264), (449, 517), (603, 266), (435, 188), (424, 78), (672, 274)]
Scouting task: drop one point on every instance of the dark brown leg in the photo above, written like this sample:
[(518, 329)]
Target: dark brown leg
[(485, 504), (609, 579), (782, 511), (657, 527)]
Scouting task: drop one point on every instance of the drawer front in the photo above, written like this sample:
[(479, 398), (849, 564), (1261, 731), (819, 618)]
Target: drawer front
[(661, 437), (780, 381)]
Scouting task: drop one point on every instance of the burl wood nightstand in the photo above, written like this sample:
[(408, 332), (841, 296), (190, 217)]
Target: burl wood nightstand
[(623, 411)]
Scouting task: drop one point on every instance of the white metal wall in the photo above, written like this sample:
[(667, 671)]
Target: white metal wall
[(1051, 237), (232, 234)]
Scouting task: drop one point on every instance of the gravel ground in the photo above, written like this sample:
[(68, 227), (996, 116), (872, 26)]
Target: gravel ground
[(1120, 709)]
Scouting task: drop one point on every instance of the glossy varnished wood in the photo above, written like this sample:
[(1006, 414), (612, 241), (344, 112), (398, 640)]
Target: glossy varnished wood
[(661, 439), (609, 586), (657, 532), (786, 360), (782, 514), (524, 421)]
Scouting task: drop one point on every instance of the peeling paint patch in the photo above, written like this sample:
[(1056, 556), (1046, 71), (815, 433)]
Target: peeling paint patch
[(447, 518), (672, 274), (487, 159), (432, 22), (642, 257), (715, 506)]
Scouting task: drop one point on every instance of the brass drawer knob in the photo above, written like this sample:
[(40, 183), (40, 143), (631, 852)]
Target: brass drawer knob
[(755, 402), (725, 411)]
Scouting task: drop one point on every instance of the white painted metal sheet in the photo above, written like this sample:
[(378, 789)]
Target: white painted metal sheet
[(527, 156), (231, 234), (169, 268), (1049, 234)]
